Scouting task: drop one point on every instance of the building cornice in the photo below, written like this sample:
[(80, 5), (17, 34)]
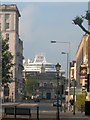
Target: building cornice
[(9, 8), (80, 45)]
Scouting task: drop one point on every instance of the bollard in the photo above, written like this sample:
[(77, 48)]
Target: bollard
[(29, 113), (37, 113), (15, 111)]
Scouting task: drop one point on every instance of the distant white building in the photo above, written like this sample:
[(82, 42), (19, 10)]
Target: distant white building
[(36, 65)]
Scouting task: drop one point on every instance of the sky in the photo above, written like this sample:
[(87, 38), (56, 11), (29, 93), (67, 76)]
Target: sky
[(42, 22)]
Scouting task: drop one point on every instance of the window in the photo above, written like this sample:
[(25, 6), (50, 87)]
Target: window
[(0, 18), (7, 26), (0, 26), (7, 36), (7, 21), (51, 84), (6, 17), (45, 84)]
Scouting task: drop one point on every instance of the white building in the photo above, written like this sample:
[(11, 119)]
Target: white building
[(35, 66), (9, 25)]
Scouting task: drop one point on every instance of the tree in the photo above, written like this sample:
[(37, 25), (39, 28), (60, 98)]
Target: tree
[(80, 101), (30, 85), (78, 21), (6, 63)]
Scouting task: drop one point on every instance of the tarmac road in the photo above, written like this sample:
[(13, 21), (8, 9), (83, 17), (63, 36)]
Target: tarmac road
[(46, 111)]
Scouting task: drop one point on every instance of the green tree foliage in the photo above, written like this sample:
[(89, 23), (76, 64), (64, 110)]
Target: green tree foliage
[(6, 62), (30, 85), (80, 101)]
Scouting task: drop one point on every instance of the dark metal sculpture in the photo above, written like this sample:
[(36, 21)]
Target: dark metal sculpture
[(79, 20)]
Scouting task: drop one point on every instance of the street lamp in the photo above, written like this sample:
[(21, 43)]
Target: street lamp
[(57, 66), (67, 74), (68, 61), (74, 97), (68, 53), (64, 42)]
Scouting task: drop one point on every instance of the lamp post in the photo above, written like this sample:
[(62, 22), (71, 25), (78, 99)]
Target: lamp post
[(74, 97), (67, 75), (64, 42), (68, 55), (57, 66), (68, 61)]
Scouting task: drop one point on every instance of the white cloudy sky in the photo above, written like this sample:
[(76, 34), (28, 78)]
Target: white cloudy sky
[(42, 22)]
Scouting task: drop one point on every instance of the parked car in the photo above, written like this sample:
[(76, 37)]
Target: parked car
[(55, 103)]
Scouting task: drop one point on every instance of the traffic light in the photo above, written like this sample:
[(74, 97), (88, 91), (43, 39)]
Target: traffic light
[(83, 70), (87, 76)]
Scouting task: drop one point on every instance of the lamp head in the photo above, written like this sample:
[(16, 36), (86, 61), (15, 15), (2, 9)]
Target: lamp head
[(57, 66), (53, 41), (63, 53)]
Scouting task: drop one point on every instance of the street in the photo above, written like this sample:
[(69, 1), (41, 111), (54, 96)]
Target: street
[(47, 110)]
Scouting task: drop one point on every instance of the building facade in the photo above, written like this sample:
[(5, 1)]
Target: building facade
[(83, 60), (9, 25), (45, 75)]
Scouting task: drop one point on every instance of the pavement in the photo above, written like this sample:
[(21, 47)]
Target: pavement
[(51, 115), (46, 114)]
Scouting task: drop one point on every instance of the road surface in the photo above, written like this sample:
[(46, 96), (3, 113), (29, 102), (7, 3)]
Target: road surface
[(47, 110)]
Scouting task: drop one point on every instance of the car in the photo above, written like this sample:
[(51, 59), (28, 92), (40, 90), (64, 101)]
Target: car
[(55, 103)]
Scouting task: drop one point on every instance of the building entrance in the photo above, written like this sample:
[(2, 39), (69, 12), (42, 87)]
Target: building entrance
[(48, 95)]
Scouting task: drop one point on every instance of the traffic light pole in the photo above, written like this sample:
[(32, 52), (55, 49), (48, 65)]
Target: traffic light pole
[(87, 102), (88, 82), (74, 98), (88, 91)]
